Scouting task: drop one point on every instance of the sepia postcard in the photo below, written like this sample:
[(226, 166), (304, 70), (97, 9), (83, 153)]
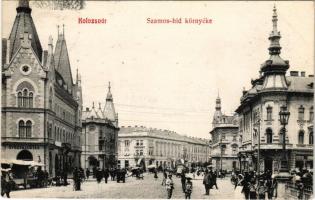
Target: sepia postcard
[(157, 99)]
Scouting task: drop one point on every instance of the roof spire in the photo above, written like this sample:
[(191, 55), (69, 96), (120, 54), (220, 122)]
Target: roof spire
[(93, 105), (24, 3), (109, 96), (58, 30), (63, 29), (274, 37)]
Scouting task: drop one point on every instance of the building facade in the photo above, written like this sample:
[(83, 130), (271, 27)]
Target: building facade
[(141, 146), (41, 106), (259, 115), (225, 140), (100, 135)]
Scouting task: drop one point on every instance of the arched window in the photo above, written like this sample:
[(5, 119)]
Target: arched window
[(310, 138), (21, 129), (269, 135), (301, 137), (30, 99), (28, 129), (25, 98), (269, 113), (55, 132), (301, 113), (20, 99), (50, 99), (25, 95)]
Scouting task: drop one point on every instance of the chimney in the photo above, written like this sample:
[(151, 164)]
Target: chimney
[(302, 74), (294, 73)]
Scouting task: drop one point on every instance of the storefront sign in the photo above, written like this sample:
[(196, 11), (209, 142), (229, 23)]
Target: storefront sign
[(23, 146)]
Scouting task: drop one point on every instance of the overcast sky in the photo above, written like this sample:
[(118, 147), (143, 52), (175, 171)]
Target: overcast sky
[(166, 75)]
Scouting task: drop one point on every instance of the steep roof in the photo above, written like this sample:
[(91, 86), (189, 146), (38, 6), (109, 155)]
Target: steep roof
[(62, 62), (24, 23), (109, 108)]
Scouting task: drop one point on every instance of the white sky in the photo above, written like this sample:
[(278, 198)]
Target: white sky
[(166, 75)]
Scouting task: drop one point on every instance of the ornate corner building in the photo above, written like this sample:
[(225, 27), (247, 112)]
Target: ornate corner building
[(259, 114), (225, 140), (100, 135), (41, 105)]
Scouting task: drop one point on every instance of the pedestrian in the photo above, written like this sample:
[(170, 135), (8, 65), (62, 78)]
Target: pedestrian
[(98, 175), (164, 177), (87, 173), (169, 186), (5, 184), (188, 188), (46, 176), (155, 174), (106, 174), (183, 180), (261, 189), (214, 179), (76, 179), (207, 181), (252, 190)]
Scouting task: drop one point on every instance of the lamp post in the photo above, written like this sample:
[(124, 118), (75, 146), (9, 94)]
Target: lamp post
[(284, 118), (257, 132)]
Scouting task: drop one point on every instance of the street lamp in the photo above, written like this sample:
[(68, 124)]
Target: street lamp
[(284, 118), (257, 133)]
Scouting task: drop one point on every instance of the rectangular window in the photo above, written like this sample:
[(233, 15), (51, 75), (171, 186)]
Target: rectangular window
[(141, 152), (301, 113), (269, 113), (311, 115)]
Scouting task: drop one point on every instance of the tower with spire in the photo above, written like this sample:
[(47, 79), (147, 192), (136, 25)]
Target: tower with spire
[(274, 69), (101, 125), (40, 99)]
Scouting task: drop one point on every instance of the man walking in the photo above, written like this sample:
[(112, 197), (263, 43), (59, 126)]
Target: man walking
[(106, 174), (183, 180), (207, 181), (169, 186)]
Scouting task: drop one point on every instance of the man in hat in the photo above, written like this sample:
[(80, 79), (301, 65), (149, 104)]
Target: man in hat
[(188, 188), (169, 186), (207, 181)]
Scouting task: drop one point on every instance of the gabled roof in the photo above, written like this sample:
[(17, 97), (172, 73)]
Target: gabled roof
[(62, 62), (24, 23)]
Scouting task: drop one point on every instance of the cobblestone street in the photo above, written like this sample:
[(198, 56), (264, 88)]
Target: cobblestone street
[(147, 188)]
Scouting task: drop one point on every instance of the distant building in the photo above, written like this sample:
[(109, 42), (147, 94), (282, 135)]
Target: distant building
[(259, 114), (147, 146), (41, 106), (225, 140), (99, 137)]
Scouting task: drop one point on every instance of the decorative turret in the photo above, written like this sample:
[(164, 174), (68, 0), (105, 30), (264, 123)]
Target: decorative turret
[(217, 114), (275, 68), (109, 108), (23, 24)]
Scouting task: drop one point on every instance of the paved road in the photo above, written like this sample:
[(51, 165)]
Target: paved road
[(149, 188)]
